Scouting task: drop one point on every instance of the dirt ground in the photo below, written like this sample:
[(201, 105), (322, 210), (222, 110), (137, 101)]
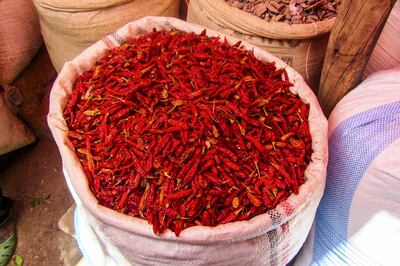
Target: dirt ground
[(33, 177)]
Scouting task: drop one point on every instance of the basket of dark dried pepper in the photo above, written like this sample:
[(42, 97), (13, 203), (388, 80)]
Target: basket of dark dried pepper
[(181, 144)]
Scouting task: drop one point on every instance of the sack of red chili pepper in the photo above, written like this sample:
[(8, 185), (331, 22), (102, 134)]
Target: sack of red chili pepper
[(189, 142)]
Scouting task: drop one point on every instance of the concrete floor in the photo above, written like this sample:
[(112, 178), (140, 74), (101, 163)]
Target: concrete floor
[(32, 176)]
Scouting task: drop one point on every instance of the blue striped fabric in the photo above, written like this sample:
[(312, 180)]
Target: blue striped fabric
[(353, 145)]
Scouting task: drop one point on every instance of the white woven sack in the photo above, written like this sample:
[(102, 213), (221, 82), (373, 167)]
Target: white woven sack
[(358, 220), (386, 54), (113, 238)]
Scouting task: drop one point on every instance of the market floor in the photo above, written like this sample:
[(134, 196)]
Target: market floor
[(33, 177)]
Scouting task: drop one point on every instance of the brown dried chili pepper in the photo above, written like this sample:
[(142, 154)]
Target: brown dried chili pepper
[(292, 12), (183, 129)]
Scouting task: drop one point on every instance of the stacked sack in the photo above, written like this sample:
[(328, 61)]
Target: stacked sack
[(358, 220), (20, 40), (20, 37), (69, 27), (14, 133)]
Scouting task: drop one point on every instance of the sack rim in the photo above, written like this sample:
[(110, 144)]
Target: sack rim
[(79, 6), (226, 15)]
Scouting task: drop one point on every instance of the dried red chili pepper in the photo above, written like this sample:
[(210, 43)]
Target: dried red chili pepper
[(182, 129)]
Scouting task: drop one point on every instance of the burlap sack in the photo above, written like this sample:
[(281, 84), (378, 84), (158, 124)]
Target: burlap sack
[(302, 46), (69, 27), (76, 5), (19, 37), (107, 237), (14, 133)]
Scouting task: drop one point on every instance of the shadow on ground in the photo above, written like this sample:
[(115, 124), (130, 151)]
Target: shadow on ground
[(33, 177)]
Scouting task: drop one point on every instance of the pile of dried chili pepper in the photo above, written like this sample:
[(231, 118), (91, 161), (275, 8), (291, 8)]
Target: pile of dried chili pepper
[(183, 129)]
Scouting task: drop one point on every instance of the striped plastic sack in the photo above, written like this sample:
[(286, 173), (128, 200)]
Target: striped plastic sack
[(358, 220), (107, 237)]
